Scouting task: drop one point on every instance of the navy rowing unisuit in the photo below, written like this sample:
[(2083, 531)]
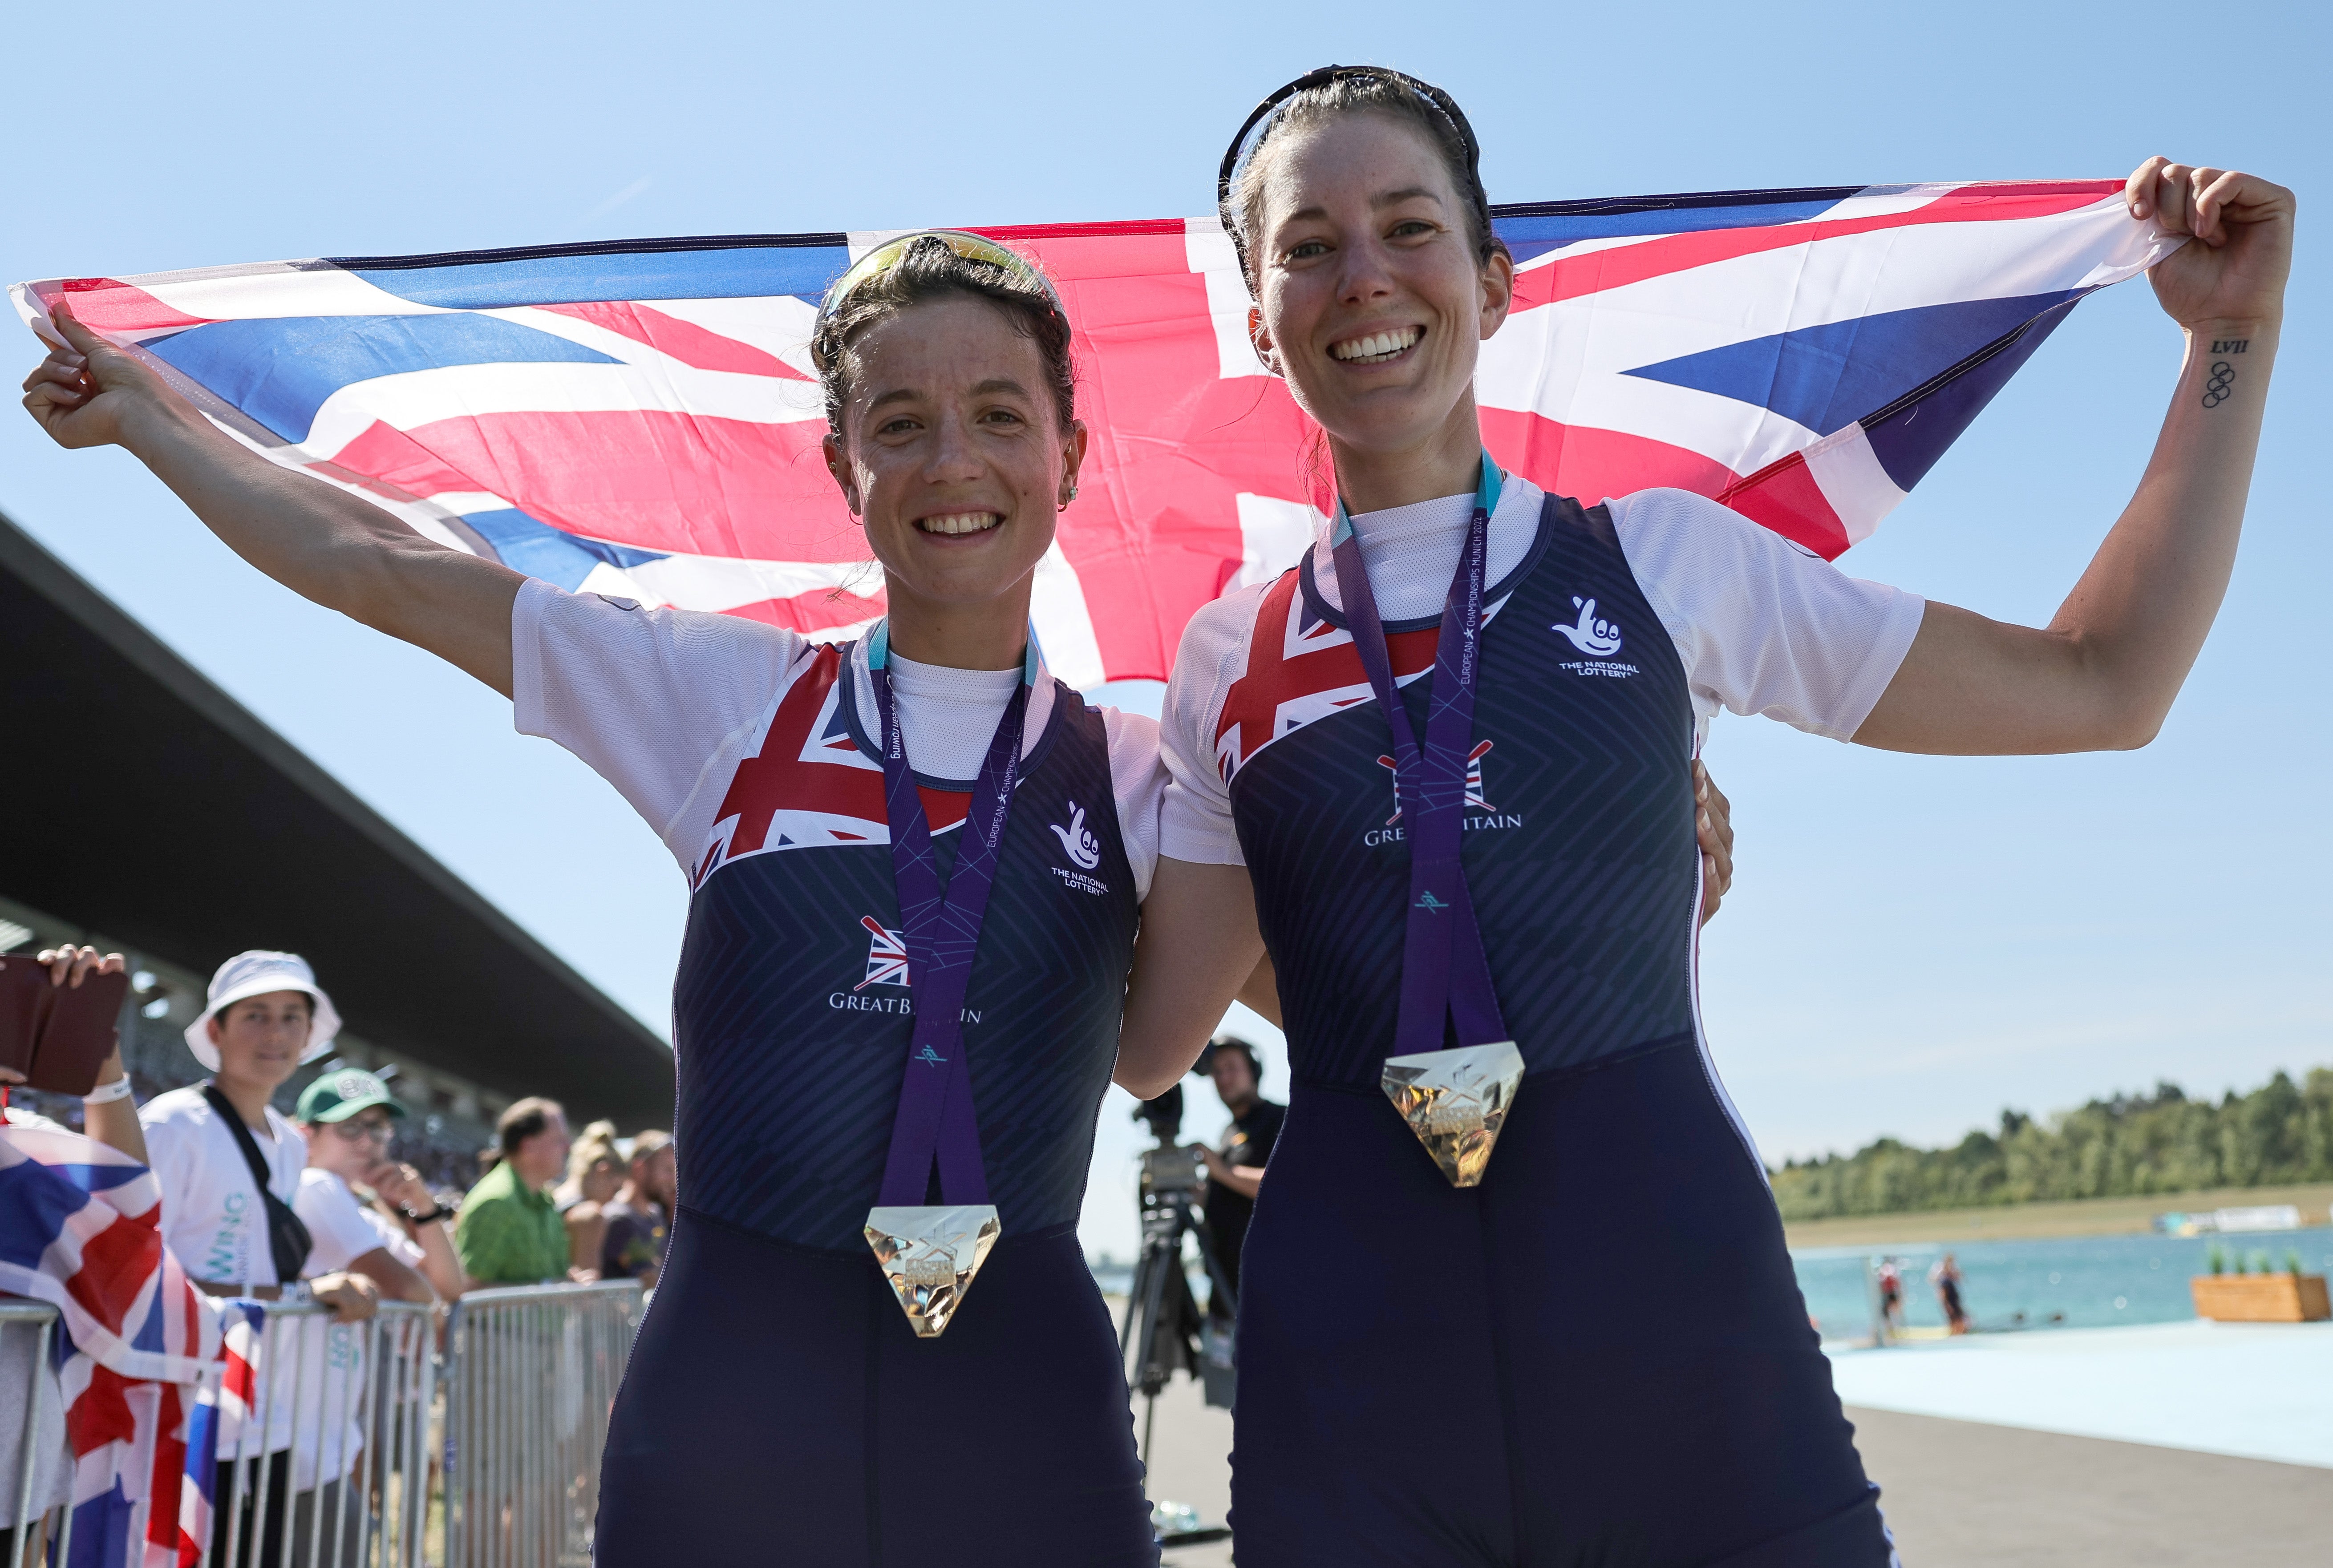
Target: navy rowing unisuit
[(1599, 1355), (778, 1405)]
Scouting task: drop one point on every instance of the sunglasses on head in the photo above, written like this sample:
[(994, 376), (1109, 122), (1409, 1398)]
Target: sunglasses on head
[(971, 247)]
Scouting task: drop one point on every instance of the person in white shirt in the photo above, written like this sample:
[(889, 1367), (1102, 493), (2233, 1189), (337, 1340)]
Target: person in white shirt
[(349, 1117), (265, 1015), (1531, 897)]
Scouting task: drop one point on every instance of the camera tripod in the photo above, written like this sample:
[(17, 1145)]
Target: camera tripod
[(1163, 1319)]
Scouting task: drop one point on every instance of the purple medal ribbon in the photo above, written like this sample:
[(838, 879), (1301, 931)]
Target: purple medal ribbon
[(1444, 971), (942, 931)]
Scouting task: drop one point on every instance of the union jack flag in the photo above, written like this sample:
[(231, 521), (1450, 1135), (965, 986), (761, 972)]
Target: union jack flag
[(640, 417), (887, 956), (81, 1228)]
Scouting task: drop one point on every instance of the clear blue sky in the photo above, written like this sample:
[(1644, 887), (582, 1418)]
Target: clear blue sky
[(1912, 943)]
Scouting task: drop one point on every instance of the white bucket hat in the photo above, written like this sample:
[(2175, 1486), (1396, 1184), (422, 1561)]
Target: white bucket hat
[(256, 973)]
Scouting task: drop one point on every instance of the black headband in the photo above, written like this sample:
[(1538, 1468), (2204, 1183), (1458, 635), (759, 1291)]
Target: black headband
[(1257, 126)]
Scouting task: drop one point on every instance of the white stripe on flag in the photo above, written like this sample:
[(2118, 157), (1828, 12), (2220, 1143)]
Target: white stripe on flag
[(1273, 534), (776, 324), (1849, 473), (1065, 629), (238, 293), (1208, 250), (414, 398)]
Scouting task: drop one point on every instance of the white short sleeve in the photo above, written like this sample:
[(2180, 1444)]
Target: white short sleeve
[(335, 1222), (1764, 625), (1138, 778), (651, 698), (1195, 816)]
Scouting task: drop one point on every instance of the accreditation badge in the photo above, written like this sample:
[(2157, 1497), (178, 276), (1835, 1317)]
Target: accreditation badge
[(1456, 1102), (930, 1254)]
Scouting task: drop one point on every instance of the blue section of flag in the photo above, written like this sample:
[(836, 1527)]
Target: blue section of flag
[(1829, 376), (529, 545), (36, 1205), (1908, 442), (152, 1333), (281, 370), (740, 272)]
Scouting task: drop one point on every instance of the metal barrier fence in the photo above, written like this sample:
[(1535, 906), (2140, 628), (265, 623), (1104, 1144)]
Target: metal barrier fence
[(32, 1446), (331, 1463), (530, 1377), (364, 1442)]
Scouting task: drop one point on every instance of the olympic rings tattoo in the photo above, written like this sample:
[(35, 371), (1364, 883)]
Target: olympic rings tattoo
[(2222, 381)]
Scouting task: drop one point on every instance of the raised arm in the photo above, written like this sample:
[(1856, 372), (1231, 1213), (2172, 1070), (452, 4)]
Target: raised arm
[(1198, 947), (322, 543), (2102, 675)]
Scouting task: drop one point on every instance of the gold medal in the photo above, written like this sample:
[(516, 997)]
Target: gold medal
[(930, 1254), (1457, 1102)]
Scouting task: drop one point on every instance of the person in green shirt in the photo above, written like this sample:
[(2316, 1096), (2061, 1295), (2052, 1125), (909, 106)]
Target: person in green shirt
[(509, 1231)]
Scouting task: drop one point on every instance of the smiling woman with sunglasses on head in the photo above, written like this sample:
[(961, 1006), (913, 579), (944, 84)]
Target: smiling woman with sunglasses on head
[(1477, 1323), (866, 1163)]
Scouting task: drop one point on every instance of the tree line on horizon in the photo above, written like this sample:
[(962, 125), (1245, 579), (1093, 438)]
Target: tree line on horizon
[(2130, 1146)]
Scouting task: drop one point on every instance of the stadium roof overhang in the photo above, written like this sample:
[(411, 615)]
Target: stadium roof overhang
[(136, 796)]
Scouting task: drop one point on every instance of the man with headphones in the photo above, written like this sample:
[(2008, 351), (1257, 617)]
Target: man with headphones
[(1235, 1172)]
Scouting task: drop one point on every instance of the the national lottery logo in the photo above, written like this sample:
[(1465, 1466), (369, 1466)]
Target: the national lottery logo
[(1597, 638), (1592, 636), (1084, 851), (887, 956), (1081, 847), (1474, 779)]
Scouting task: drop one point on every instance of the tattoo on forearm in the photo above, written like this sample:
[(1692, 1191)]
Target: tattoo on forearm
[(2221, 383)]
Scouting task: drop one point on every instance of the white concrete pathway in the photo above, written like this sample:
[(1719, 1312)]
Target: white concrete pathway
[(2254, 1390)]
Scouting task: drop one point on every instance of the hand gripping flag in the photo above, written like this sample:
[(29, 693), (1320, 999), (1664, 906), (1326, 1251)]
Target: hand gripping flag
[(640, 417), (79, 1228)]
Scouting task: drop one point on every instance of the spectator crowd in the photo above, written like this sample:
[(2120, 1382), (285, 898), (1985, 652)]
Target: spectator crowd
[(316, 1204)]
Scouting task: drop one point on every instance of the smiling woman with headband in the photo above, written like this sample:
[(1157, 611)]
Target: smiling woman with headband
[(876, 1336), (1477, 1323)]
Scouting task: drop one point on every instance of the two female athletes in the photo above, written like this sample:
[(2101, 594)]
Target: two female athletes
[(1461, 1400)]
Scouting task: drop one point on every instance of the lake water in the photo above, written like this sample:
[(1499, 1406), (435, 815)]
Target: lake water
[(2068, 1281)]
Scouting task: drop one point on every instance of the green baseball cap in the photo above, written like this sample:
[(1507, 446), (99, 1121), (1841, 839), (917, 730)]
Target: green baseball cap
[(342, 1094)]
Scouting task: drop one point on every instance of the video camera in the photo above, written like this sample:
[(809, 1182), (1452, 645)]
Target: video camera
[(1165, 1329)]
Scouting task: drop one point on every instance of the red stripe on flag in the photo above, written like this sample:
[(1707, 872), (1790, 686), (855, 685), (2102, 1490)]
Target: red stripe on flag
[(1588, 465), (110, 305), (115, 1263), (686, 342), (1784, 497), (814, 611), (686, 483), (385, 454)]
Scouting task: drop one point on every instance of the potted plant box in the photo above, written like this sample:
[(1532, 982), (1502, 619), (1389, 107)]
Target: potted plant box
[(2261, 1297)]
